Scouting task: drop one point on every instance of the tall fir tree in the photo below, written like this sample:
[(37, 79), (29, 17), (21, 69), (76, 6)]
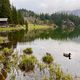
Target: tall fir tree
[(14, 15), (20, 18), (5, 10)]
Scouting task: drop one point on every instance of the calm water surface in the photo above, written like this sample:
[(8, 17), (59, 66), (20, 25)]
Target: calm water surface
[(56, 48)]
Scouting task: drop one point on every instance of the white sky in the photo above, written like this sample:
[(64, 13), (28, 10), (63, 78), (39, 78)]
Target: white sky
[(47, 6)]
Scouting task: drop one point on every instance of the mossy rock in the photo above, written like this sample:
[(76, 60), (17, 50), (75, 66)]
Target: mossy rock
[(7, 52), (28, 51), (47, 58), (27, 64)]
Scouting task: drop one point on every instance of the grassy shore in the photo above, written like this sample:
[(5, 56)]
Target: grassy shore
[(32, 27), (11, 28)]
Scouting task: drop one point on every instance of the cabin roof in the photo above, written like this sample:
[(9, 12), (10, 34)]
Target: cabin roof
[(3, 19)]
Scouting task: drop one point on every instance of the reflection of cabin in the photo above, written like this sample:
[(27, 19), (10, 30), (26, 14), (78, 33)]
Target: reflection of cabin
[(3, 22)]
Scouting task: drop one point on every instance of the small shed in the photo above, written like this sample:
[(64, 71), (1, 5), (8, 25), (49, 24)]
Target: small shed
[(3, 22)]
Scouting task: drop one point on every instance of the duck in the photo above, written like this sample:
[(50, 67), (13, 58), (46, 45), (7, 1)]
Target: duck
[(67, 55)]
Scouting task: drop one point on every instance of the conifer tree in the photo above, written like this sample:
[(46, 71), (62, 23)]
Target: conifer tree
[(14, 15), (5, 10)]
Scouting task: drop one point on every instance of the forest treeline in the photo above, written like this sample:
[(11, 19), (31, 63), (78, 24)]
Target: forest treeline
[(56, 18), (9, 11), (18, 16)]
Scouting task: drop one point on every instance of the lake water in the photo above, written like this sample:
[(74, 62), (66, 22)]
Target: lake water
[(56, 48), (40, 46)]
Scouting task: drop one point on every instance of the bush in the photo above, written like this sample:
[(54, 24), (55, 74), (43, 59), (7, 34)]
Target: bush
[(28, 51), (7, 52), (67, 77), (28, 63), (48, 58), (1, 58)]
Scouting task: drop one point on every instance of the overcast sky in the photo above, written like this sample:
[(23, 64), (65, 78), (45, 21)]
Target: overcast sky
[(47, 6)]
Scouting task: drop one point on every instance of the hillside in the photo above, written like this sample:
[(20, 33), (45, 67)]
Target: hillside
[(64, 20)]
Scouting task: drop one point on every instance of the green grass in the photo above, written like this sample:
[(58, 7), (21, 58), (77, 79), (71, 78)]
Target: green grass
[(12, 28), (32, 27)]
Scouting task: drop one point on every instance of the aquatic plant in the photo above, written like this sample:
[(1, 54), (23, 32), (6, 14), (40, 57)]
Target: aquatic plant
[(7, 52), (48, 58), (1, 58), (28, 63), (58, 73), (67, 77), (28, 51), (52, 72), (41, 66)]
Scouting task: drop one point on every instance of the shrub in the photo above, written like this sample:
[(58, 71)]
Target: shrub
[(1, 58), (28, 51), (58, 73), (67, 77), (7, 52), (47, 58), (28, 63)]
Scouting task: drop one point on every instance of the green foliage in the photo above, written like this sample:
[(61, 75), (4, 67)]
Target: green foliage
[(52, 72), (28, 63), (1, 58), (67, 77), (5, 10), (28, 51), (7, 51), (20, 17), (41, 66), (14, 15), (47, 58), (55, 18), (58, 19), (58, 73)]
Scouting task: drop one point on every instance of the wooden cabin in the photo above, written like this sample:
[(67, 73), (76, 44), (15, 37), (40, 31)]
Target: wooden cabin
[(3, 22)]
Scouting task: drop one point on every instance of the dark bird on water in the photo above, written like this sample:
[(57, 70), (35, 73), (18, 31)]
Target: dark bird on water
[(67, 55)]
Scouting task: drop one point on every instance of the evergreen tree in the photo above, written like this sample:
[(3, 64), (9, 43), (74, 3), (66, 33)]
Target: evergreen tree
[(1, 8), (5, 10), (14, 15), (20, 18)]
